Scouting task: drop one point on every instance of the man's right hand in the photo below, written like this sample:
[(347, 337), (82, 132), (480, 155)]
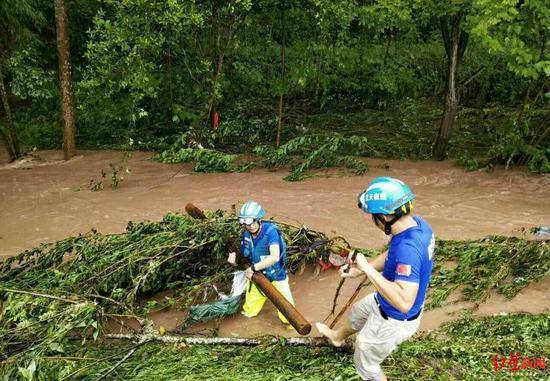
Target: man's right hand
[(232, 258), (348, 271)]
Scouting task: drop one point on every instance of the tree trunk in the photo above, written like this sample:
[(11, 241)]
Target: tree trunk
[(455, 42), (63, 49), (281, 96), (213, 103), (10, 136)]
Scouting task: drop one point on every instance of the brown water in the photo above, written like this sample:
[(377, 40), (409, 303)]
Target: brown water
[(51, 200)]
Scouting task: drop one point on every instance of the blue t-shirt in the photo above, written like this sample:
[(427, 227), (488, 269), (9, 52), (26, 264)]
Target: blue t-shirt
[(258, 248), (410, 258)]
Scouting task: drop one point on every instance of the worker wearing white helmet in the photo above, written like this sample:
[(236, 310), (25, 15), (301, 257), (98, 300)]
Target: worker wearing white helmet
[(263, 244)]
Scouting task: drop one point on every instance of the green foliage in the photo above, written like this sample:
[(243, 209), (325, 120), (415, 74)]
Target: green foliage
[(318, 151), (38, 131), (153, 78), (465, 349), (468, 162), (513, 137), (29, 79), (241, 132), (498, 263), (18, 20), (461, 350), (68, 288), (97, 185), (114, 176), (213, 161), (518, 32), (206, 160), (100, 275), (515, 143), (116, 179)]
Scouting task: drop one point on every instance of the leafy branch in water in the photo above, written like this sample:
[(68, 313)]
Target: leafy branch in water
[(115, 177), (506, 264), (206, 160), (304, 153), (317, 151)]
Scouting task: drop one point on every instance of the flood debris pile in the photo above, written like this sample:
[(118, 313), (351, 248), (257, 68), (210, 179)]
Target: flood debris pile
[(302, 153), (55, 299), (68, 289)]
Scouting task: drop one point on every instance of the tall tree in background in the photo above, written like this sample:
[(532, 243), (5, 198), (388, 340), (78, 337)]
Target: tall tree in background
[(455, 39), (63, 49), (9, 137), (17, 19), (282, 6)]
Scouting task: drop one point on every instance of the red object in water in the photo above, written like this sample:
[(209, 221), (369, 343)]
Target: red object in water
[(216, 120), (324, 266)]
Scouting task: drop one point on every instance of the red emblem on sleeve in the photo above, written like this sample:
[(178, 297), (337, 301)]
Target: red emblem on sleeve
[(403, 269)]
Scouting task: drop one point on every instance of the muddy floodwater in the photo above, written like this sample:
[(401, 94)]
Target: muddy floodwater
[(49, 199)]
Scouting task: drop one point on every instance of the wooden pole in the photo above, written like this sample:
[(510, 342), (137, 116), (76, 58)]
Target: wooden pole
[(349, 302), (294, 317)]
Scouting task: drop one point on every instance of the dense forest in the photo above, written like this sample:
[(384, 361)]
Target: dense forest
[(329, 80)]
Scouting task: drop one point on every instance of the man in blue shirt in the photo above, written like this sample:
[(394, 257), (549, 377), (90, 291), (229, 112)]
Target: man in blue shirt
[(389, 316), (263, 244)]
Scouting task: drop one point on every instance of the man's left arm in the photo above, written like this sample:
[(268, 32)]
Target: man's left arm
[(402, 292)]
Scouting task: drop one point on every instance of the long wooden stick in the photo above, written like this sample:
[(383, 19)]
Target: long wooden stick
[(342, 281), (350, 301), (337, 294)]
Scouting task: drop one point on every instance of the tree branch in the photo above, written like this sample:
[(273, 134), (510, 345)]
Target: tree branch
[(245, 341)]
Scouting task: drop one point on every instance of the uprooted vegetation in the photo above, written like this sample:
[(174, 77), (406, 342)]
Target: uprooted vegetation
[(56, 291), (302, 153), (57, 297)]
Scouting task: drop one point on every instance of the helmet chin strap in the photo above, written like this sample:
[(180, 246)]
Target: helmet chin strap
[(387, 224), (398, 213)]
